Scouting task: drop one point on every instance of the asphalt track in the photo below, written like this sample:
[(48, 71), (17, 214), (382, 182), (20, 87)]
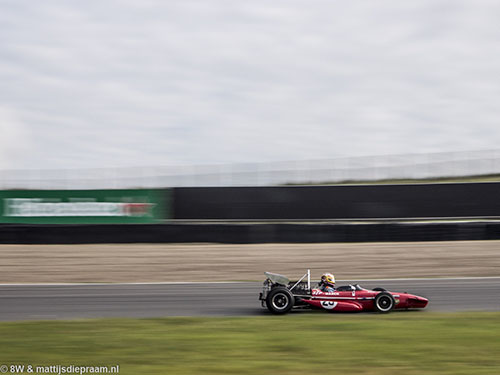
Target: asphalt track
[(75, 301)]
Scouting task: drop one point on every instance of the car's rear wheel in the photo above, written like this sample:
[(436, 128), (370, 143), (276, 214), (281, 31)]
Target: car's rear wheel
[(384, 302), (280, 300)]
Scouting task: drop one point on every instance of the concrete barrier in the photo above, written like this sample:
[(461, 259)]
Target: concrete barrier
[(246, 233), (338, 202)]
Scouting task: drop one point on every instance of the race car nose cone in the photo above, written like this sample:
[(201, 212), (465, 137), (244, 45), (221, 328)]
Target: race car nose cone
[(418, 302)]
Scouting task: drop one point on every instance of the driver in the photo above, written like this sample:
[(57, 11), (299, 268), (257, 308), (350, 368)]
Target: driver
[(327, 283)]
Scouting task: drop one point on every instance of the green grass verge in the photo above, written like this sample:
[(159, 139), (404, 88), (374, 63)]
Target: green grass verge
[(430, 180), (397, 343)]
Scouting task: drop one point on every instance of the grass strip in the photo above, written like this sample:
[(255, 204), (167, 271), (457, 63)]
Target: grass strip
[(409, 343), (430, 180)]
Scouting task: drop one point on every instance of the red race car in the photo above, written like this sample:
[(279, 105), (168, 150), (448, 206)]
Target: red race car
[(280, 295)]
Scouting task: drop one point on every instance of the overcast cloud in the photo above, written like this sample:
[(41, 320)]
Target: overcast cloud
[(120, 83)]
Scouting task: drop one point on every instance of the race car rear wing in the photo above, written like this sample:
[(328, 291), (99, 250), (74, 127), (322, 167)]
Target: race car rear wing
[(277, 278), (283, 280)]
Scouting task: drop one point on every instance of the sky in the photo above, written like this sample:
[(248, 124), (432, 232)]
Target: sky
[(105, 83)]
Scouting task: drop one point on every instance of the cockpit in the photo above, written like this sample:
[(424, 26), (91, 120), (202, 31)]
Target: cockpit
[(349, 288)]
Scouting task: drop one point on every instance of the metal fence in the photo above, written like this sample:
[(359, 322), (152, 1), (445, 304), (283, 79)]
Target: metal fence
[(366, 168)]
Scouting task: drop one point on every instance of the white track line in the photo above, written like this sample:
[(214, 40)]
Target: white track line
[(130, 283), (432, 278), (245, 282)]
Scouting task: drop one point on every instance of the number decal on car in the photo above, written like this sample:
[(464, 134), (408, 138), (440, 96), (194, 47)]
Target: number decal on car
[(329, 305)]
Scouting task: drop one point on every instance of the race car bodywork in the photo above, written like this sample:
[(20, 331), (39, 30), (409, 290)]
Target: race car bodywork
[(280, 295)]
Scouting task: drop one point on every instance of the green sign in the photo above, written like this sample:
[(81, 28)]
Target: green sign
[(84, 206)]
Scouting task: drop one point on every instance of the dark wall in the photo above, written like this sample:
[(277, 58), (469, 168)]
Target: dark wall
[(244, 233), (338, 202)]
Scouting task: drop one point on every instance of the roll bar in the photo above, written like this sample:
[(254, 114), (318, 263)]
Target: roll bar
[(308, 275)]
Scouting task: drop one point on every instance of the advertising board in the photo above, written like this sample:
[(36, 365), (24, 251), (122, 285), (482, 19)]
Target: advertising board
[(84, 206)]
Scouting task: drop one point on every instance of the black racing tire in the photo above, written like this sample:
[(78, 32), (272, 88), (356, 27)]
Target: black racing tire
[(384, 302), (280, 300), (378, 289)]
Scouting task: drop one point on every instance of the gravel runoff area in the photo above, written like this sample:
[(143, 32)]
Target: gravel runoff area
[(222, 262)]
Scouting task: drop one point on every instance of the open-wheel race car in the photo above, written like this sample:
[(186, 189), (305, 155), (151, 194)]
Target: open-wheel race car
[(280, 295)]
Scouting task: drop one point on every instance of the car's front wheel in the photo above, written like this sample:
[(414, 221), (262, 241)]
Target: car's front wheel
[(384, 302), (280, 300)]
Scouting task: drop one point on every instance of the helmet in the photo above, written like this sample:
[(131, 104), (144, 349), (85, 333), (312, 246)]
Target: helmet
[(328, 279)]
